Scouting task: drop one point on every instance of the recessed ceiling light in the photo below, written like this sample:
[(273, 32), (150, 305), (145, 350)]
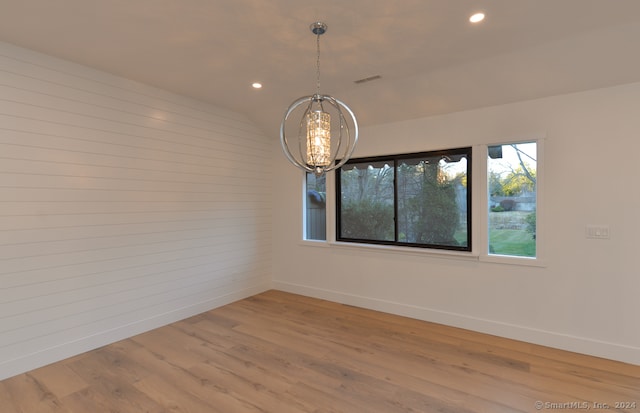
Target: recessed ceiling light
[(257, 85), (476, 18)]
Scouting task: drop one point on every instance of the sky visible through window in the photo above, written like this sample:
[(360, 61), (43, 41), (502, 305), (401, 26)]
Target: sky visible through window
[(528, 152)]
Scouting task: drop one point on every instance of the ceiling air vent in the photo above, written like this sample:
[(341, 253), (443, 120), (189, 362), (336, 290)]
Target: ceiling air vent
[(367, 79)]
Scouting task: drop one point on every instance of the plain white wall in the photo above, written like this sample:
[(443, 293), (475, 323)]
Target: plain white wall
[(584, 299), (122, 208)]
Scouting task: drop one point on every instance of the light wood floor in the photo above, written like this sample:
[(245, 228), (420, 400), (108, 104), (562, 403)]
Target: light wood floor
[(279, 353)]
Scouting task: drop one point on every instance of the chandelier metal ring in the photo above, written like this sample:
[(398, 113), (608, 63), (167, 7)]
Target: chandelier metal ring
[(346, 140)]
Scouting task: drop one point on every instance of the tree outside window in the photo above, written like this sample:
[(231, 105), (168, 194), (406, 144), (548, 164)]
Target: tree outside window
[(512, 186)]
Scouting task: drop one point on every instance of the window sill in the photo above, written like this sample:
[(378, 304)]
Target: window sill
[(508, 260), (424, 252), (314, 243), (406, 250)]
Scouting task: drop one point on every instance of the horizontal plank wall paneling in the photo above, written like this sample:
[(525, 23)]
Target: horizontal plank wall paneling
[(122, 207)]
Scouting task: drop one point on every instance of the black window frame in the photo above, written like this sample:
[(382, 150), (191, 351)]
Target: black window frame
[(394, 160)]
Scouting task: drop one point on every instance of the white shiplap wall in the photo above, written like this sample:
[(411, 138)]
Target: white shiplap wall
[(122, 208)]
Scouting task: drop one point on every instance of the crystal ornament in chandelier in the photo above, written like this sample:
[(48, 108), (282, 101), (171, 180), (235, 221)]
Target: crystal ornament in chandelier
[(325, 138)]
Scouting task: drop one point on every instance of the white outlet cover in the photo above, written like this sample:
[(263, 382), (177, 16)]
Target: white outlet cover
[(598, 232)]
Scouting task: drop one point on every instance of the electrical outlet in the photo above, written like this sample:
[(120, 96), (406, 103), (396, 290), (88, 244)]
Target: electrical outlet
[(598, 231)]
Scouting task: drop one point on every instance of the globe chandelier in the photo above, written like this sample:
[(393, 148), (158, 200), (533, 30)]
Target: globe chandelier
[(325, 138)]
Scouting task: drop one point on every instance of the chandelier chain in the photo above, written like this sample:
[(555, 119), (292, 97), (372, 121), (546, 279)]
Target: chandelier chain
[(318, 63)]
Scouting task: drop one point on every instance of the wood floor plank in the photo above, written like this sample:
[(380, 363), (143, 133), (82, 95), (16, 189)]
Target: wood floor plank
[(283, 353), (60, 380), (109, 388), (8, 397), (28, 395)]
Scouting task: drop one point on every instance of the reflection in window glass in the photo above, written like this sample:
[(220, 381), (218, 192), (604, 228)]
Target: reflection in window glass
[(366, 211), (512, 184), (432, 201)]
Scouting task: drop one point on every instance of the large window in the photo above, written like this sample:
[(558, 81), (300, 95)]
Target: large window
[(419, 200), (512, 195)]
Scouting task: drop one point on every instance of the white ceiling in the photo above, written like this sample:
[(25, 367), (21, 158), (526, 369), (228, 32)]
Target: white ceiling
[(430, 58)]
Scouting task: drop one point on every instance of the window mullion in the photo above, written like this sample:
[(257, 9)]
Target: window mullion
[(395, 199)]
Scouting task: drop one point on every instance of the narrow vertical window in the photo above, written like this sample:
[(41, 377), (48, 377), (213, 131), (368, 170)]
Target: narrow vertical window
[(512, 194), (315, 207)]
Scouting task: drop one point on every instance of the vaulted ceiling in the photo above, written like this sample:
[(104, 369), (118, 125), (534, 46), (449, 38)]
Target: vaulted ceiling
[(430, 58)]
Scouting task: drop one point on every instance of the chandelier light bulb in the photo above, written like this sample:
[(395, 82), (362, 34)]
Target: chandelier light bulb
[(318, 139)]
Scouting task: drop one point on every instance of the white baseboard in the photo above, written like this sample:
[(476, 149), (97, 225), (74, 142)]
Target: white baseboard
[(59, 352), (612, 351)]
